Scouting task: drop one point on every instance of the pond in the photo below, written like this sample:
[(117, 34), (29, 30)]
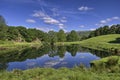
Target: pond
[(49, 56)]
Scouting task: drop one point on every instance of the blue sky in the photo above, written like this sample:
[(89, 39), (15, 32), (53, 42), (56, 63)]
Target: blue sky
[(54, 15)]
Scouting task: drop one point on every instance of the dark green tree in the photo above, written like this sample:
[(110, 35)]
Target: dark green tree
[(73, 36), (13, 33), (52, 37), (3, 32), (112, 29), (61, 36)]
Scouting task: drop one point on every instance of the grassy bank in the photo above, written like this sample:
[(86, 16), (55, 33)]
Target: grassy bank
[(109, 64), (7, 46), (98, 43)]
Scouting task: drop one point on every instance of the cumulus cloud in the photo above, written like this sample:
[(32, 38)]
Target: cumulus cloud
[(30, 21), (103, 22), (84, 8)]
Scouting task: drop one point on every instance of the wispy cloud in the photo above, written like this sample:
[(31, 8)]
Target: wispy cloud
[(103, 22), (92, 29), (82, 26), (55, 12), (45, 29), (46, 18), (39, 14), (61, 26), (49, 20), (84, 8), (62, 20), (30, 21)]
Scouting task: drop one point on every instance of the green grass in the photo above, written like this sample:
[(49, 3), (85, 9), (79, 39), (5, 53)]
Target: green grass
[(76, 73), (98, 43), (109, 64), (7, 46)]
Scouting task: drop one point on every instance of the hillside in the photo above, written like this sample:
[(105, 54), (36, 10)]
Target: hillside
[(103, 42)]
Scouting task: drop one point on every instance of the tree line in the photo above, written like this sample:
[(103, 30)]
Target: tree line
[(22, 34), (114, 29)]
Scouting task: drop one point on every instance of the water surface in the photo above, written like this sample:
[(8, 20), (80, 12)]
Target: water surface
[(49, 56)]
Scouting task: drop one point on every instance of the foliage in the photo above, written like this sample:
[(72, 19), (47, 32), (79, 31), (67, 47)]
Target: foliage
[(73, 36), (61, 36), (114, 29)]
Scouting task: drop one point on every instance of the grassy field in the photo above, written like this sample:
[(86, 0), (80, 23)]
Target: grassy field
[(96, 72), (7, 46), (99, 43)]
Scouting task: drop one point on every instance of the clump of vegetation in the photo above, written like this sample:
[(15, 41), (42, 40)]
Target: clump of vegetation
[(110, 64)]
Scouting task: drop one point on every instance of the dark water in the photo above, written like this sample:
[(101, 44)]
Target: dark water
[(49, 56)]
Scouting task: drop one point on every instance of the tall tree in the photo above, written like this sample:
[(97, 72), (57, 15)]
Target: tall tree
[(73, 36), (13, 33), (61, 36), (52, 37)]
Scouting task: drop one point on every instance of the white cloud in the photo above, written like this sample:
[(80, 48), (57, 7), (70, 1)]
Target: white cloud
[(55, 12), (61, 26), (84, 8), (46, 18), (81, 26), (62, 20), (45, 29), (50, 20), (103, 22), (30, 21), (92, 29), (39, 14), (116, 18), (108, 19)]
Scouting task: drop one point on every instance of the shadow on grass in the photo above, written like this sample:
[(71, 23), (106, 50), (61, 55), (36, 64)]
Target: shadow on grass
[(115, 41)]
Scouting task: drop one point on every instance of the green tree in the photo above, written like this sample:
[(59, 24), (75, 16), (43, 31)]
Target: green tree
[(52, 37), (61, 36), (13, 33), (73, 36), (118, 29), (112, 29)]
